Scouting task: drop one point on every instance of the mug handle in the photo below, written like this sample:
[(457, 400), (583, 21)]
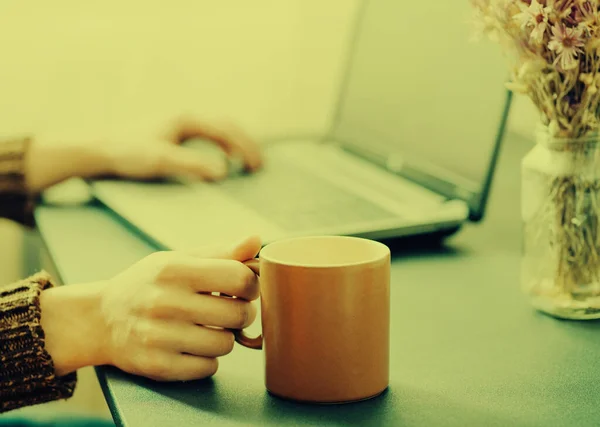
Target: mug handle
[(240, 335)]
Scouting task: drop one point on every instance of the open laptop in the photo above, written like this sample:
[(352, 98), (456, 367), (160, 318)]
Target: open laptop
[(411, 150)]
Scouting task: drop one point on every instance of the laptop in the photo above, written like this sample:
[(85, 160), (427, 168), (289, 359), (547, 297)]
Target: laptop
[(411, 149)]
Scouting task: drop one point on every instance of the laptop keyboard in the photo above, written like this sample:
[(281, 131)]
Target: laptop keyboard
[(297, 200)]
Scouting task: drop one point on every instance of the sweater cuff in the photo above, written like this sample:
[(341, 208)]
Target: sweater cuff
[(15, 201), (12, 165), (27, 374)]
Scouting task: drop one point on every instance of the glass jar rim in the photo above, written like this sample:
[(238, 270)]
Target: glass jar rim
[(543, 137)]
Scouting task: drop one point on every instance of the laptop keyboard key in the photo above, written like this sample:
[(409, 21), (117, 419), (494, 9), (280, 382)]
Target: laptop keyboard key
[(297, 200)]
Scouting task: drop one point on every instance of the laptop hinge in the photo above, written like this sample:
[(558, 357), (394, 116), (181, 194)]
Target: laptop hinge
[(430, 177)]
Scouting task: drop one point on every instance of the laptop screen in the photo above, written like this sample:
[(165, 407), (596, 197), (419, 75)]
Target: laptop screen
[(421, 92)]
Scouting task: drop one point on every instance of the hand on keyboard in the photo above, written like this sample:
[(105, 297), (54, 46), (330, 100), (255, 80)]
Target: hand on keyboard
[(55, 158), (164, 159)]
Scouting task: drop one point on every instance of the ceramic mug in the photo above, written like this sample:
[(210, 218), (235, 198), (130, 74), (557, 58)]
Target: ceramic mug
[(325, 311)]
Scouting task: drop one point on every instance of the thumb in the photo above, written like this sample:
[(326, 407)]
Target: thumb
[(242, 250)]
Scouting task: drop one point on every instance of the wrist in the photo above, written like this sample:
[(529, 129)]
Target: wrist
[(91, 159), (73, 326), (48, 163)]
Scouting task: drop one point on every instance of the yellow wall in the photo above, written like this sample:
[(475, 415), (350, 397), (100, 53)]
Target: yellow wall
[(273, 65), (123, 67)]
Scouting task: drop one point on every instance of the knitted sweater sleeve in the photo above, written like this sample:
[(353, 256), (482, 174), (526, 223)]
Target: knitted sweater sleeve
[(27, 374), (15, 202)]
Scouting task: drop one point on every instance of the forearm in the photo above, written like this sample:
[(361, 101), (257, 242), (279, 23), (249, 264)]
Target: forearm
[(71, 322), (48, 163)]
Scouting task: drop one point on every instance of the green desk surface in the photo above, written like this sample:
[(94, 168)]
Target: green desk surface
[(467, 349)]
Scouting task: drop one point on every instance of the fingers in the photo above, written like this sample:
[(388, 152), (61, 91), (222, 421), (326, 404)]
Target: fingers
[(243, 250), (185, 338), (177, 162), (211, 275), (168, 366), (230, 138), (208, 310)]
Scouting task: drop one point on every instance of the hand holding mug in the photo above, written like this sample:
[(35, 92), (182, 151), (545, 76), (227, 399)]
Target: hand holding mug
[(159, 318)]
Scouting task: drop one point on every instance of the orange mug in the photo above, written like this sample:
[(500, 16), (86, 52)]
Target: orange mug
[(325, 311)]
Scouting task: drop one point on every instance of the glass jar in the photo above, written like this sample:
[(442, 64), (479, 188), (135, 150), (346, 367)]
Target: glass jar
[(560, 208)]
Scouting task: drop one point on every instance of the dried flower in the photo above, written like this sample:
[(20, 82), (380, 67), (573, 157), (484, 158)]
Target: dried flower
[(567, 43), (535, 17), (555, 50), (587, 13)]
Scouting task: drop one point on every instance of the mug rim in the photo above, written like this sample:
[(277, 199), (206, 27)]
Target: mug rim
[(384, 254)]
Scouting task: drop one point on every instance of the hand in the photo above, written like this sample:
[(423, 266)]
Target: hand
[(51, 160), (160, 159), (158, 318)]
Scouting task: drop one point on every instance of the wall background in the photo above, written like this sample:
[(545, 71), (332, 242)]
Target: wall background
[(272, 65)]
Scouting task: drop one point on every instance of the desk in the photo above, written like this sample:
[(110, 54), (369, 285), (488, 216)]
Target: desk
[(467, 349)]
